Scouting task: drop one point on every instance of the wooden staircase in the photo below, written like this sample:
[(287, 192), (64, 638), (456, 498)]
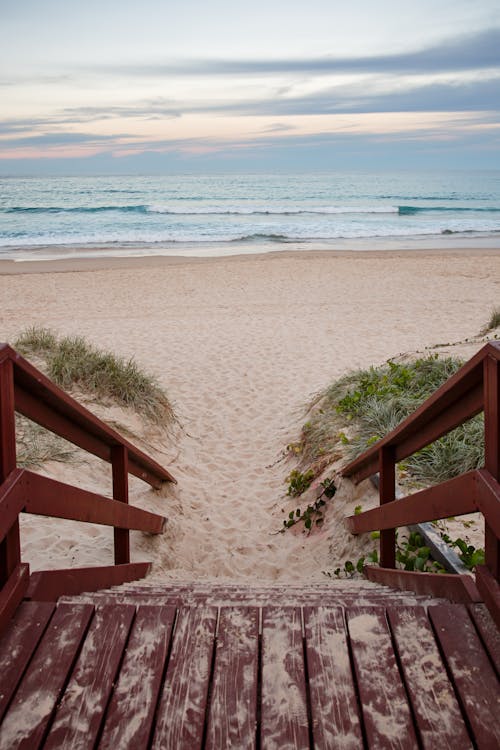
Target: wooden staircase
[(337, 665)]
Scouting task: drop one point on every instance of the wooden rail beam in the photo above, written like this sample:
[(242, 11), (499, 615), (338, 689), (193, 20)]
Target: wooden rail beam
[(51, 419), (460, 398), (39, 399), (455, 497), (47, 497), (49, 585)]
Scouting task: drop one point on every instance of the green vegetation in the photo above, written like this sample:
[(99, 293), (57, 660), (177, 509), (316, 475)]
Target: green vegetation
[(313, 514), (299, 482), (72, 361), (469, 555), (374, 401), (494, 321), (35, 445)]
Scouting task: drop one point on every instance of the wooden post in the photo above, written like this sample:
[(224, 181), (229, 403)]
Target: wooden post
[(492, 452), (119, 461), (387, 490), (10, 547)]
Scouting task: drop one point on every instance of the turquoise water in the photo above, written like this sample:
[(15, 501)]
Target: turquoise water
[(220, 214)]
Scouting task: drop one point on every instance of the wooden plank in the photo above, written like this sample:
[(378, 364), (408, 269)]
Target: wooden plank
[(34, 703), (435, 707), (471, 671), (49, 585), (48, 497), (181, 712), (121, 537), (334, 710), (454, 497), (284, 720), (386, 714), (456, 588), (129, 718), (80, 714), (18, 644), (489, 632), (233, 706), (12, 593)]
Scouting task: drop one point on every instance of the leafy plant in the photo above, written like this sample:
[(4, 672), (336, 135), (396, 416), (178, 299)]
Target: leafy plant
[(468, 554), (313, 514), (299, 482)]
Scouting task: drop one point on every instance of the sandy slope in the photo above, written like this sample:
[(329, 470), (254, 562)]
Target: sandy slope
[(241, 344)]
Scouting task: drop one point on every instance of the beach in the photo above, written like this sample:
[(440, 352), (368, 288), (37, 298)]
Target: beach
[(240, 344)]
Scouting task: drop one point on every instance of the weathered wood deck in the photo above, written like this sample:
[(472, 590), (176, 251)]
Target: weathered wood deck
[(139, 669)]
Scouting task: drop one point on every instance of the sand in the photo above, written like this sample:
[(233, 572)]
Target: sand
[(240, 344)]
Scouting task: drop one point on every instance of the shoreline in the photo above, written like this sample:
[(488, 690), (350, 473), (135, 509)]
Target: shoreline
[(9, 267)]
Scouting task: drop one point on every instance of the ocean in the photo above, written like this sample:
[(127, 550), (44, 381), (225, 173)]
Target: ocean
[(59, 217)]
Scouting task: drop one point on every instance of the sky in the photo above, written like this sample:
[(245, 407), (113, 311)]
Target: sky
[(159, 86)]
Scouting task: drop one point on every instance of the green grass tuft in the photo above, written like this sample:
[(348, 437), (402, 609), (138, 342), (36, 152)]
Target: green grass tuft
[(35, 445), (73, 361), (494, 321), (38, 341)]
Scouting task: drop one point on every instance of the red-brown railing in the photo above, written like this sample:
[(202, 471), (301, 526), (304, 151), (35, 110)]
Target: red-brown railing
[(474, 388), (25, 390)]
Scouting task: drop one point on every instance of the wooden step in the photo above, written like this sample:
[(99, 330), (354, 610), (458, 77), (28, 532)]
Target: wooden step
[(127, 675)]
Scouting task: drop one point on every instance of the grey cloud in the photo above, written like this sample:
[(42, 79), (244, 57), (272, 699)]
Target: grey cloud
[(473, 52), (58, 139), (433, 97)]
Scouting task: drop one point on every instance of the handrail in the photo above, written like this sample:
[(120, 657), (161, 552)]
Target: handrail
[(457, 400), (39, 399), (474, 388), (26, 390)]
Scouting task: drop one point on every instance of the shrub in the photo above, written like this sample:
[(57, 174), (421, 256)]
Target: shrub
[(375, 401)]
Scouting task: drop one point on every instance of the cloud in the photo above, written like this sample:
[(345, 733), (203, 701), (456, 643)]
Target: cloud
[(435, 96), (476, 51), (309, 153), (59, 139)]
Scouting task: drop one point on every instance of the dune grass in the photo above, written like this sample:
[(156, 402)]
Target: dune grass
[(494, 321), (73, 362), (35, 445), (365, 405)]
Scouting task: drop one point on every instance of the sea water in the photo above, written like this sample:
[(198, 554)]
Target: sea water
[(230, 214)]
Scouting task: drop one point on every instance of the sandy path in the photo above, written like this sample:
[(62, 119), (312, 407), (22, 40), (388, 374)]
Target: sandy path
[(240, 344)]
